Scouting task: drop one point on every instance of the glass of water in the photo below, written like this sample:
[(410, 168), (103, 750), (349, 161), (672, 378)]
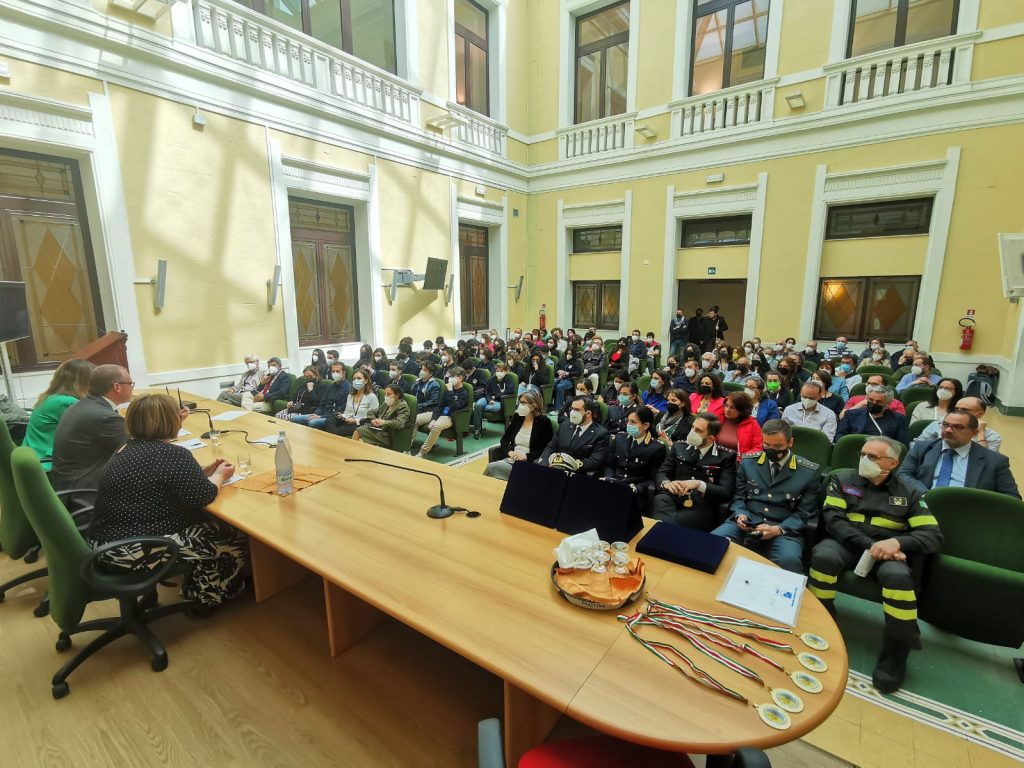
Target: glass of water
[(215, 438), (244, 466)]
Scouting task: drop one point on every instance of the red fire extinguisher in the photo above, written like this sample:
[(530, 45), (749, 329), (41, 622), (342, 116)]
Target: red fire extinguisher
[(967, 334), (542, 322)]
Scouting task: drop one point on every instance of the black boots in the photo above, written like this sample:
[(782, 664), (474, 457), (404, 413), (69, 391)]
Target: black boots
[(891, 668)]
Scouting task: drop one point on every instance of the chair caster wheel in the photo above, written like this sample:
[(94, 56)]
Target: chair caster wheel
[(159, 663), (63, 642), (43, 609), (31, 557), (60, 690)]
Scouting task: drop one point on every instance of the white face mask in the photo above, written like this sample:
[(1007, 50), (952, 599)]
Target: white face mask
[(252, 366), (751, 393), (596, 347), (499, 375), (692, 438), (336, 376), (808, 350), (575, 417), (876, 355), (690, 373), (917, 370), (377, 358), (868, 469), (523, 410), (809, 403), (584, 393), (706, 364), (635, 337), (395, 374), (943, 394), (389, 400), (424, 375), (272, 370), (875, 346)]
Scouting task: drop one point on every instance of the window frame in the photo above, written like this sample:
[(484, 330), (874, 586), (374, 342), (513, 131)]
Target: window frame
[(345, 12), (867, 286), (900, 35), (600, 286), (748, 217), (601, 45), (714, 7), (576, 246), (470, 38), (830, 224)]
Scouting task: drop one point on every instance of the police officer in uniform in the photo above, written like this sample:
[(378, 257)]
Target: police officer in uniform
[(872, 509), (636, 455), (776, 496), (697, 476)]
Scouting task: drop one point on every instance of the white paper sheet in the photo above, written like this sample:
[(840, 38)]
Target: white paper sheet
[(270, 440), (228, 415), (763, 589), (183, 432), (194, 444), (234, 479)]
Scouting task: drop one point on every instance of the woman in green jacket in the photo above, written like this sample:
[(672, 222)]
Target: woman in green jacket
[(381, 423), (70, 383)]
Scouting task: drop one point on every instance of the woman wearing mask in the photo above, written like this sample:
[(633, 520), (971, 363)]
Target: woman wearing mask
[(319, 361), (536, 374), (790, 382), (568, 369), (627, 401), (618, 360), (775, 390), (942, 400), (527, 435), (831, 400), (838, 384), (361, 401), (759, 363), (762, 408), (610, 394), (655, 397), (677, 420), (636, 455), (307, 398), (380, 360), (383, 422), (740, 430), (365, 357), (498, 387), (70, 383), (692, 352), (724, 362), (708, 397), (333, 397)]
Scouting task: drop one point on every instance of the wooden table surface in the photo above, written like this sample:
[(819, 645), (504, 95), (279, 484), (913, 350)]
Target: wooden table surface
[(481, 587)]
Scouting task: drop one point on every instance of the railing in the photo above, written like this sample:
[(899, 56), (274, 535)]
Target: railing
[(610, 134), (231, 30), (729, 108), (475, 130), (924, 66)]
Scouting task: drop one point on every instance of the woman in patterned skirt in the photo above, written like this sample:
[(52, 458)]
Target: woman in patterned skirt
[(152, 488)]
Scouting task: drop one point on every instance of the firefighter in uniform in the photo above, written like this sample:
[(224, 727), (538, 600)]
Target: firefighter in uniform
[(776, 496), (872, 509)]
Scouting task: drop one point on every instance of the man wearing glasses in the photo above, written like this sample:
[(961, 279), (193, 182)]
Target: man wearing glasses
[(871, 510), (91, 430), (955, 459)]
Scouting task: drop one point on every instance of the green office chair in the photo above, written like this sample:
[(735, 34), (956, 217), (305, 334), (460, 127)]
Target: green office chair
[(869, 370), (401, 441), (914, 394), (846, 451), (813, 445), (460, 421), (732, 386), (508, 404), (643, 383), (858, 389), (975, 586), (407, 381), (77, 578), (16, 535), (293, 388), (917, 427), (809, 365)]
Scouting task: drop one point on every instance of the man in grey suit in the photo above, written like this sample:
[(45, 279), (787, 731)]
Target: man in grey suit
[(956, 460), (91, 430)]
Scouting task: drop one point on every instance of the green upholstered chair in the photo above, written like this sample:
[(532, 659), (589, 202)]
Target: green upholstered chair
[(485, 373), (869, 370), (809, 365), (602, 409), (76, 577), (914, 394), (732, 386), (460, 421), (293, 388), (858, 389), (910, 405), (16, 535), (643, 383), (407, 381), (917, 427), (846, 451), (402, 439), (813, 445), (975, 586), (508, 404), (547, 392)]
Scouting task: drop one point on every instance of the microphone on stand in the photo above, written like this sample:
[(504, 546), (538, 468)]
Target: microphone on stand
[(438, 511), (213, 430)]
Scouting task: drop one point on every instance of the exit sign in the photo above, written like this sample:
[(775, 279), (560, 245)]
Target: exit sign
[(712, 270)]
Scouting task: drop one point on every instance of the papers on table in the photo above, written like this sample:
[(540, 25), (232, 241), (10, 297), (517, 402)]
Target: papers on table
[(228, 415), (183, 432), (270, 440), (194, 444), (234, 479), (765, 590)]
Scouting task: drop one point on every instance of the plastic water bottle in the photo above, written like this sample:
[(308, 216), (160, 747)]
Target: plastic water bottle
[(283, 466)]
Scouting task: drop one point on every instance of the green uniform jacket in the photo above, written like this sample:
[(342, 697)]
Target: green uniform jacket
[(789, 501)]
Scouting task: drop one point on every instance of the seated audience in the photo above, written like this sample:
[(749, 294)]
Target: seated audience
[(654, 397), (741, 372), (276, 385), (762, 408), (811, 353), (920, 375), (360, 403), (582, 390), (942, 400), (836, 385), (875, 354), (475, 379), (956, 460), (986, 437), (708, 397), (688, 377), (318, 361), (499, 386), (527, 435), (568, 369), (776, 496), (871, 509), (332, 397), (810, 413), (905, 356), (427, 390), (859, 401), (846, 370), (829, 399), (839, 349), (696, 478), (775, 392), (381, 423), (594, 361), (676, 421), (153, 488), (637, 351), (876, 418), (241, 394), (618, 360), (740, 431), (636, 455), (70, 383), (452, 398), (307, 397), (628, 401), (580, 444), (536, 374)]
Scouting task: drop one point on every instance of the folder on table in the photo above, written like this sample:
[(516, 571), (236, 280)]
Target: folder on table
[(684, 546)]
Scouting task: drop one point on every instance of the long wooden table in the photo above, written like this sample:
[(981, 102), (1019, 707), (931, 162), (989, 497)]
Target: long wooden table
[(481, 587)]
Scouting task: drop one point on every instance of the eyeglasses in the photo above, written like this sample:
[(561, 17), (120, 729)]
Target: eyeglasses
[(873, 457), (129, 383), (954, 427)]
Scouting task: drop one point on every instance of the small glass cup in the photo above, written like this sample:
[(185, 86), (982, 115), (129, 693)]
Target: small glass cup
[(621, 562), (600, 562), (583, 563), (620, 546), (215, 438), (244, 466), (602, 545)]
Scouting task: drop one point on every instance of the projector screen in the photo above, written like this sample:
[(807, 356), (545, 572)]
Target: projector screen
[(14, 322), (436, 270)]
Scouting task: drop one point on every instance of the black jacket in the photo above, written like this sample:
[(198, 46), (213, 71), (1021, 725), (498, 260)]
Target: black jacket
[(538, 378), (497, 389), (717, 468), (87, 435), (591, 447), (451, 402), (540, 435), (634, 462)]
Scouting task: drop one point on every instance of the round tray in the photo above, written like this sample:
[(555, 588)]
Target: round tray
[(589, 603)]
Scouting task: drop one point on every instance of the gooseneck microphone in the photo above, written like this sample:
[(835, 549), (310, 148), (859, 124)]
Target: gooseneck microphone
[(438, 511), (213, 430)]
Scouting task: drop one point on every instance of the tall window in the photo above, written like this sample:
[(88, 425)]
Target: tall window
[(473, 253), (324, 260), (44, 242), (876, 25), (882, 219), (729, 40), (867, 307), (595, 303), (471, 56), (364, 28), (602, 62)]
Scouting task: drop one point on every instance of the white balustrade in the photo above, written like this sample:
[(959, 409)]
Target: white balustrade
[(236, 32), (476, 130), (597, 137), (729, 108)]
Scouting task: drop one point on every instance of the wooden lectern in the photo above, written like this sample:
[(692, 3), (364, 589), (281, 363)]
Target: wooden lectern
[(109, 348)]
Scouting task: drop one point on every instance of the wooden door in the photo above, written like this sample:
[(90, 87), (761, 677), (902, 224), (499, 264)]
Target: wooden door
[(473, 261)]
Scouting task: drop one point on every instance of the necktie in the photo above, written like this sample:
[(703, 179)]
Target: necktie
[(773, 468), (575, 434), (945, 469)]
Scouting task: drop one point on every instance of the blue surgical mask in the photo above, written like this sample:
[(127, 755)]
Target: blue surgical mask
[(633, 430), (357, 384), (624, 399)]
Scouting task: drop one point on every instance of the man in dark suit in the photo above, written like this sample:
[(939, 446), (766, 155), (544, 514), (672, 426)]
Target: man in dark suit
[(876, 419), (956, 460), (716, 327), (698, 330), (580, 444), (91, 430), (697, 476), (678, 333), (275, 386)]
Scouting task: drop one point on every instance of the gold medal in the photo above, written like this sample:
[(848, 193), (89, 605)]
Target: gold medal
[(814, 642), (688, 501), (806, 681), (788, 700), (773, 716), (812, 662)]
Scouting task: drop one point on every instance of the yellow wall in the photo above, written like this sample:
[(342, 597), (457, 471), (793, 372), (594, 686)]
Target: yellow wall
[(595, 266), (49, 83), (729, 261), (318, 152), (517, 62), (998, 58), (998, 13), (813, 92), (654, 59), (874, 256), (544, 66), (806, 31), (201, 200), (432, 20)]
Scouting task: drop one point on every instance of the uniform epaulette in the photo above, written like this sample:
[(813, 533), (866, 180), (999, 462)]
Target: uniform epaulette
[(801, 461), (751, 454)]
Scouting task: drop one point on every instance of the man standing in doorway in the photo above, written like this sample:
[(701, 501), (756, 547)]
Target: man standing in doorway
[(716, 327), (678, 333)]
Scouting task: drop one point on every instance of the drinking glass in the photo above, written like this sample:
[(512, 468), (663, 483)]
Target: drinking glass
[(244, 466)]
